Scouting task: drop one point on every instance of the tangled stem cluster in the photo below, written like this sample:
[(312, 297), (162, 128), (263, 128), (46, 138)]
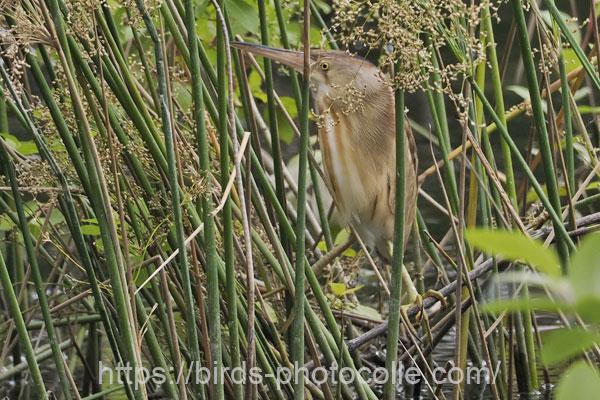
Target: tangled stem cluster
[(408, 33)]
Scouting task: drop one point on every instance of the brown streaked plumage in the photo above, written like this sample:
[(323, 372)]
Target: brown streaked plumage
[(356, 127)]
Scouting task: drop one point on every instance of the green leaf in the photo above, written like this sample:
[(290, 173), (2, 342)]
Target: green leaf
[(342, 236), (6, 224), (587, 309), (367, 312), (286, 133), (340, 289), (533, 196), (350, 252), (580, 382), (322, 245), (521, 304), (290, 105), (90, 230), (255, 83), (523, 92), (585, 268), (563, 344), (271, 312), (24, 147), (514, 246), (56, 217), (571, 60), (244, 17)]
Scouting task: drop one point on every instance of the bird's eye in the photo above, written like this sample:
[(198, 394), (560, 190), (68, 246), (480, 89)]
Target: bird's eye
[(325, 66)]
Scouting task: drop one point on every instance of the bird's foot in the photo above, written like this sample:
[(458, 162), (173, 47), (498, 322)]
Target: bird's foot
[(406, 319), (436, 295), (416, 299)]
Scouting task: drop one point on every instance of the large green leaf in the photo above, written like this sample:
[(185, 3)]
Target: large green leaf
[(522, 304), (587, 308), (585, 268), (243, 16), (563, 344), (514, 246), (581, 382)]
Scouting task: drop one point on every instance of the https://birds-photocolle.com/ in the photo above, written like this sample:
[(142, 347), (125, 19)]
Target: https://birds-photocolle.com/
[(354, 103)]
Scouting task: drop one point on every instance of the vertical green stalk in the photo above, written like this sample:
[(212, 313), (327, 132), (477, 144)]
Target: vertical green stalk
[(275, 143), (228, 250), (198, 104), (565, 93), (499, 99), (435, 98), (540, 123), (15, 311), (314, 176), (9, 171), (297, 340), (99, 198), (398, 253), (69, 211), (506, 153), (554, 216), (566, 30), (169, 135), (286, 44)]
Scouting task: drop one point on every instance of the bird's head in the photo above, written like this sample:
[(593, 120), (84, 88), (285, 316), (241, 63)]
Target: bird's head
[(338, 78)]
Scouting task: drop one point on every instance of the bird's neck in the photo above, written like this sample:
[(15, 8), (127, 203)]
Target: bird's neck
[(367, 117)]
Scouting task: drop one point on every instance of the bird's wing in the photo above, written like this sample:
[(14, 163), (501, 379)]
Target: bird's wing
[(410, 175)]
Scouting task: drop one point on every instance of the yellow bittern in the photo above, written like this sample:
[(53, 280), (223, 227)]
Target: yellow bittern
[(356, 124)]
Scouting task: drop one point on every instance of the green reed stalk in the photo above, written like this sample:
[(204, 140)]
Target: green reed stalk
[(68, 206), (499, 100), (17, 315), (275, 143), (297, 340), (286, 44), (59, 122), (525, 341), (395, 302), (228, 250), (540, 123), (165, 113), (3, 114), (435, 99), (322, 24), (100, 200), (297, 96), (554, 216), (9, 171), (565, 93), (203, 155), (592, 73), (156, 350)]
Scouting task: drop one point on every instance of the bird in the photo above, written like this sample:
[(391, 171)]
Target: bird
[(356, 125)]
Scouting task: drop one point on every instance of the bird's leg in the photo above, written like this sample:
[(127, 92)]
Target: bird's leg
[(414, 297), (411, 291), (412, 294)]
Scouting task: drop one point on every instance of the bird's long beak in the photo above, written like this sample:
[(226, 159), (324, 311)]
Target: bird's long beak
[(291, 58)]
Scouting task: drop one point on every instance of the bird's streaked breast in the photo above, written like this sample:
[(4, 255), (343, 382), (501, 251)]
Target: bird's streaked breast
[(344, 172)]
